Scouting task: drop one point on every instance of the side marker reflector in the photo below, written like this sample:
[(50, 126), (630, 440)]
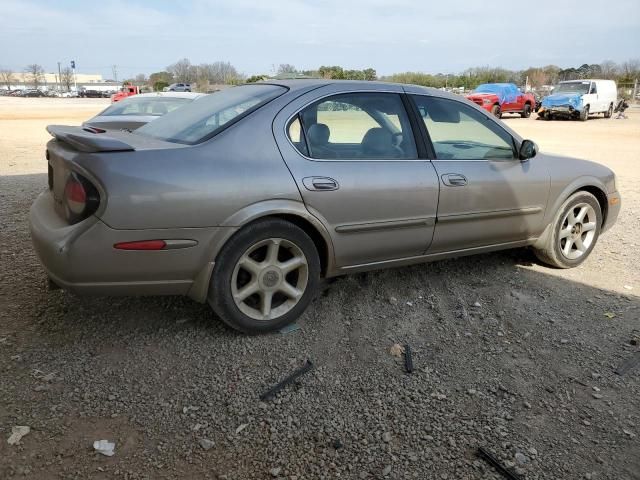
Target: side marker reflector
[(141, 245)]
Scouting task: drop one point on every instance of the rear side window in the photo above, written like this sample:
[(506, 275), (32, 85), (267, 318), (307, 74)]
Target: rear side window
[(355, 126), (201, 120), (459, 132)]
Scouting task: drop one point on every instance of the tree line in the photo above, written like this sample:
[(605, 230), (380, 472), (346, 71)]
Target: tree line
[(626, 72), (207, 75)]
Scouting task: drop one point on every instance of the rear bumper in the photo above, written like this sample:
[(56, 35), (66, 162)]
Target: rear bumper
[(80, 258)]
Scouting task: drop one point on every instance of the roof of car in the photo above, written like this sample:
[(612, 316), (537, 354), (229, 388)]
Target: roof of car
[(303, 83)]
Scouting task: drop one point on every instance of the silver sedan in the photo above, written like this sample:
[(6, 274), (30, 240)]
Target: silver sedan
[(137, 110), (245, 199)]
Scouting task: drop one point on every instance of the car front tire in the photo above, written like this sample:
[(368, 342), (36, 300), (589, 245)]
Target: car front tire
[(584, 114), (574, 232), (495, 111), (526, 113), (265, 276)]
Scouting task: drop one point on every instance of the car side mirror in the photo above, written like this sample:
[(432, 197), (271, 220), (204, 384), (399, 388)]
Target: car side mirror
[(528, 149)]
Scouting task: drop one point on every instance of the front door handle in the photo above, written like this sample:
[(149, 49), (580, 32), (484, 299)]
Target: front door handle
[(320, 184), (454, 180)]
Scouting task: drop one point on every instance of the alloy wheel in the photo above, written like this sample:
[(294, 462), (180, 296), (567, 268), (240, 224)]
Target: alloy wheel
[(577, 231), (269, 279)]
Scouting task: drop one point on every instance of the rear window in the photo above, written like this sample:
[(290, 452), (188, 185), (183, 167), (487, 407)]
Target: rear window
[(201, 120), (156, 106)]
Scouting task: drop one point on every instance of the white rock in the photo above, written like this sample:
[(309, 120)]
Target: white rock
[(275, 471), (206, 444), (241, 427), (17, 433), (105, 447)]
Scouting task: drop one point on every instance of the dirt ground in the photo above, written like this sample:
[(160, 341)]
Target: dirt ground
[(509, 354)]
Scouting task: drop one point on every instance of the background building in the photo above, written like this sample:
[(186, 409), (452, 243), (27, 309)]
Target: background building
[(51, 81)]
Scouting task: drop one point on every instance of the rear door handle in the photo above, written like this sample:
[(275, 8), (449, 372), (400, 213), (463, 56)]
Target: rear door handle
[(454, 180), (320, 184)]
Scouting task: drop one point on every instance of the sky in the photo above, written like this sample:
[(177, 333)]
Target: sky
[(144, 36)]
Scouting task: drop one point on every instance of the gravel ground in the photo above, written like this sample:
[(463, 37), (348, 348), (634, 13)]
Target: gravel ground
[(508, 354)]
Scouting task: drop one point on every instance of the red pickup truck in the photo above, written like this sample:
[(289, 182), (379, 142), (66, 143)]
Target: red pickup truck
[(124, 92), (499, 98)]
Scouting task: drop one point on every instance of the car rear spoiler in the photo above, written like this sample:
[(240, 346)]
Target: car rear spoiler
[(88, 139)]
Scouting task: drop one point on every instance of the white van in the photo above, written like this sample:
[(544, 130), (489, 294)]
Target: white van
[(580, 98)]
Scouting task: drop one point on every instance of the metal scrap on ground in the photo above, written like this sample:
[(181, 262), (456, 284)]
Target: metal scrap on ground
[(290, 379), (491, 459), (408, 359)]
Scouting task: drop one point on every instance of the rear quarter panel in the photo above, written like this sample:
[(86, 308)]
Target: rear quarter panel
[(194, 186)]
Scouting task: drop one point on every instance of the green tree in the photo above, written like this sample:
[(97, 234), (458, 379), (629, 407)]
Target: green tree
[(162, 77), (256, 78), (160, 85)]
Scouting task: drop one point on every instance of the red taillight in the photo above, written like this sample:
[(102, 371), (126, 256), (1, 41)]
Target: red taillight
[(75, 195), (141, 245), (81, 198)]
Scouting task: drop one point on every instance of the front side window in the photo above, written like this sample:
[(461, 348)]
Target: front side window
[(355, 126), (201, 120), (460, 132)]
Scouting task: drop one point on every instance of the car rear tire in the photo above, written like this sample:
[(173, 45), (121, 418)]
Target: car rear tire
[(609, 112), (265, 276), (584, 114), (574, 232), (496, 112), (526, 113)]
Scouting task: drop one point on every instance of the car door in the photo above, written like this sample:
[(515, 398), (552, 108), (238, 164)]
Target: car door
[(595, 100), (487, 196), (513, 98), (355, 160)]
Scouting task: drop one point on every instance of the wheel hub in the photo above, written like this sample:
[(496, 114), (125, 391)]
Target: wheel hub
[(576, 230), (270, 278)]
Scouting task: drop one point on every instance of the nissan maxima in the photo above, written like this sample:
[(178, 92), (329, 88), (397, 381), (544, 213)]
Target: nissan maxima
[(247, 198)]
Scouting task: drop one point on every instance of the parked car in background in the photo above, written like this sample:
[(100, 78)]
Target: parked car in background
[(90, 94), (248, 197), (579, 99), (133, 112), (499, 98), (180, 87), (33, 93)]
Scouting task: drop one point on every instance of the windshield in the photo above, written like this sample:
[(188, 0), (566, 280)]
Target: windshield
[(572, 87), (488, 88), (155, 106), (201, 120)]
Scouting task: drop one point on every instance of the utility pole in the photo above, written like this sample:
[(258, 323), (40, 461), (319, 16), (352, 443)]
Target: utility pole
[(635, 90), (60, 78), (73, 67), (114, 71)]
